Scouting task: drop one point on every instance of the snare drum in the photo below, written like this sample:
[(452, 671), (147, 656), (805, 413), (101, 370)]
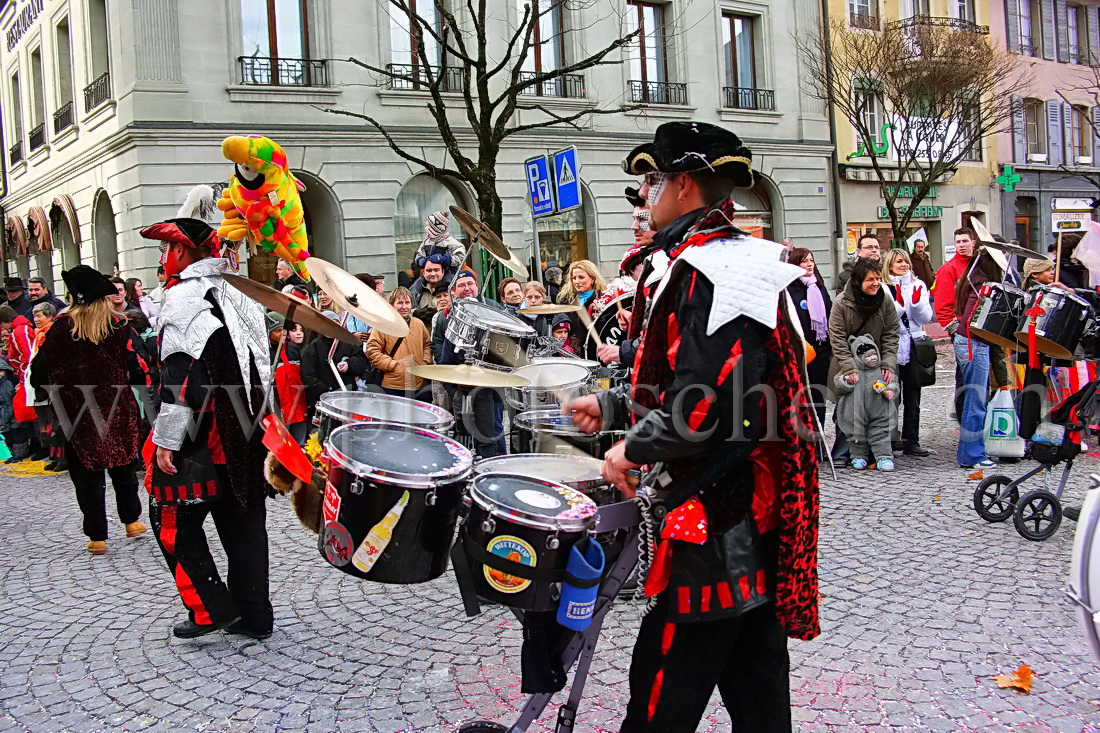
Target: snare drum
[(1059, 329), (999, 315), (491, 337), (577, 472), (548, 431), (392, 501), (529, 523), (341, 408), (601, 375), (549, 385)]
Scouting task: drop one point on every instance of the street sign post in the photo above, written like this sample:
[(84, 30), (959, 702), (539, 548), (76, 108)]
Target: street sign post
[(567, 179), (539, 185)]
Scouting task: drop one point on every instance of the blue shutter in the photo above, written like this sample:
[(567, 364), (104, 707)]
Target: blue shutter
[(1088, 35), (1019, 131), (1061, 21), (1012, 24), (1055, 138), (1046, 23)]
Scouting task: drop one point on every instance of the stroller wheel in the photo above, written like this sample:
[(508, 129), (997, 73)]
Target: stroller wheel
[(1037, 515), (481, 726), (987, 501)]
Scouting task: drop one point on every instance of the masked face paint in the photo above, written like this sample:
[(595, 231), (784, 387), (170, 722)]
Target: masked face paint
[(657, 183), (641, 219)]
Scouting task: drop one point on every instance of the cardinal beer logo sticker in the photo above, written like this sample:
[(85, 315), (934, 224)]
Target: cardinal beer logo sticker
[(516, 550)]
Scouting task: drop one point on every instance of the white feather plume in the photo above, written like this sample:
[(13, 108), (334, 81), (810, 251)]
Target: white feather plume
[(199, 204)]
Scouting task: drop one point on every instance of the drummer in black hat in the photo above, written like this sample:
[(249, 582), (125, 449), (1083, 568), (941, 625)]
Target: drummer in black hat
[(17, 296), (735, 569)]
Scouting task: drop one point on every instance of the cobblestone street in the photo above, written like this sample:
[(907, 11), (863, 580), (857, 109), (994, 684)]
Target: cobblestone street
[(923, 602)]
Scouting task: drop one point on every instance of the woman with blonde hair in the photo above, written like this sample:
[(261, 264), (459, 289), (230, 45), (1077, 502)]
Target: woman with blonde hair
[(585, 283), (393, 355), (89, 347), (914, 309)]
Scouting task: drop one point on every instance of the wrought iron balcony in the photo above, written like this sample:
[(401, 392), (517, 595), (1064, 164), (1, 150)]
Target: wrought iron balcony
[(657, 92), (267, 71), (37, 137), (748, 98), (98, 92), (416, 78), (15, 152), (63, 118), (567, 86), (866, 21), (929, 21)]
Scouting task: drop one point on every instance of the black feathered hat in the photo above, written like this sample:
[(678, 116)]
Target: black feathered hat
[(633, 198), (86, 284), (693, 147)]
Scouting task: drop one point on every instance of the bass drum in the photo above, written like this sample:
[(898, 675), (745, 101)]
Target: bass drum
[(606, 325), (1084, 574)]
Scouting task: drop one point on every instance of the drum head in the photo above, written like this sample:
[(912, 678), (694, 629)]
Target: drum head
[(1084, 577), (374, 406), (577, 472), (399, 454), (606, 325), (996, 338), (544, 376), (493, 319), (533, 502), (586, 363)]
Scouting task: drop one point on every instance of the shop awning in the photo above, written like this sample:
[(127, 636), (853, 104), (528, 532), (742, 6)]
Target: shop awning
[(17, 238), (39, 228), (64, 208)]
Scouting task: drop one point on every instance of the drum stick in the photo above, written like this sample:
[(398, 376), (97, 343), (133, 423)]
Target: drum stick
[(332, 352), (1058, 260), (583, 313)]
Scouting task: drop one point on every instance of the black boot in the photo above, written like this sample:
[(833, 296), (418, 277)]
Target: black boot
[(188, 629)]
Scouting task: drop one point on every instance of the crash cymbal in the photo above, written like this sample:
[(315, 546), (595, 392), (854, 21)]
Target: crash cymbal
[(483, 235), (353, 296), (291, 309), (550, 308), (986, 240), (468, 375)]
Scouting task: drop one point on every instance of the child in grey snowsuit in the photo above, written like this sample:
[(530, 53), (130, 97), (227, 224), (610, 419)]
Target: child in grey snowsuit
[(865, 410)]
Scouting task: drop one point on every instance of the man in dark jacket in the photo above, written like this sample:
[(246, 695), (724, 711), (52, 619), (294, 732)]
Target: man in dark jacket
[(285, 275), (735, 571), (39, 293), (868, 246), (17, 298), (317, 374)]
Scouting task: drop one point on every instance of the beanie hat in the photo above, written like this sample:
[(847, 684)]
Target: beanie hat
[(1035, 266), (437, 226), (465, 273)]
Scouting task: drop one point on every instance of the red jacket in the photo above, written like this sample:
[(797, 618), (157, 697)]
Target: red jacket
[(20, 345), (944, 290)]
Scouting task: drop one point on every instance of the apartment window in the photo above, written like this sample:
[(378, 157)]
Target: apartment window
[(969, 124), (1074, 16), (405, 47), (99, 91), (912, 8), (63, 117), (275, 28), (739, 51), (648, 62), (16, 150), (37, 135), (547, 52), (1030, 27), (1035, 128), (862, 14), (964, 10), (869, 103), (1080, 136)]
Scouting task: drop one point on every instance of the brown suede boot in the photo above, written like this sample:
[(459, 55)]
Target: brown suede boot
[(97, 548), (133, 529)]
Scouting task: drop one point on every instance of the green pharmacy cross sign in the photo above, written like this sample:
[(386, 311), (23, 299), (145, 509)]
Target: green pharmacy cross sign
[(1008, 179)]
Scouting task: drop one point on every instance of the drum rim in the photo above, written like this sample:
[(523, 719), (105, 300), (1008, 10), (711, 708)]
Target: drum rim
[(553, 431), (589, 364), (445, 418), (520, 328), (532, 386), (532, 521), (483, 467), (1044, 289), (459, 472)]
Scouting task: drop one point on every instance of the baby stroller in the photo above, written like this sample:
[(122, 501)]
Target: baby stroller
[(1038, 514)]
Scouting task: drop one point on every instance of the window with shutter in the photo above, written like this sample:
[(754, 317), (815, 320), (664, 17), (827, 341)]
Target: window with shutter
[(1035, 130), (1075, 16), (1055, 133), (1060, 39), (1019, 132), (1095, 132), (1044, 22)]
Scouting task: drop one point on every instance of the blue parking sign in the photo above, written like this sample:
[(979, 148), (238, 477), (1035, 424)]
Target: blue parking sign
[(539, 187), (567, 180)]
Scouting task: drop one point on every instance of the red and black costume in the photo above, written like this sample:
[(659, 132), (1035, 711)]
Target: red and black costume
[(717, 396), (88, 386), (214, 355)]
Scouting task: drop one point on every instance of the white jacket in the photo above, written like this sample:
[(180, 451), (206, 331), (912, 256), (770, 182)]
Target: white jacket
[(918, 314)]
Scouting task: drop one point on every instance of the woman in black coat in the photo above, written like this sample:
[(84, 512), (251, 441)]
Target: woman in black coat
[(813, 304), (317, 375)]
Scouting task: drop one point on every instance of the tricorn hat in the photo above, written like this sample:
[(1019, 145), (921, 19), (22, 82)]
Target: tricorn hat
[(633, 198), (693, 147), (13, 283), (185, 231), (86, 284)]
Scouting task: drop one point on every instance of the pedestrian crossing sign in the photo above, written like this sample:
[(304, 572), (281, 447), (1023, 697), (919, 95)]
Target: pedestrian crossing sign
[(565, 179)]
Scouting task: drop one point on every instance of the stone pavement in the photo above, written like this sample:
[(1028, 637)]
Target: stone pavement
[(923, 603)]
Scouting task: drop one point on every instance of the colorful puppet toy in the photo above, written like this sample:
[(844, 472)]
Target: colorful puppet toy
[(262, 200)]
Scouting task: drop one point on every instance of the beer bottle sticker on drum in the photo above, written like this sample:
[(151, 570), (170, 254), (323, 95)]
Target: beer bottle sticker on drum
[(513, 549), (379, 536)]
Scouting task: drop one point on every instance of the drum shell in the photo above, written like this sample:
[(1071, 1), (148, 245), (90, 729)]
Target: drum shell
[(999, 316), (540, 397), (422, 539), (1060, 328), (529, 435), (328, 419), (502, 345), (537, 596)]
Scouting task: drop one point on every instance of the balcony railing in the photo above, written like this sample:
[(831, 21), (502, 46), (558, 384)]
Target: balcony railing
[(63, 118), (416, 78), (98, 92), (568, 86), (866, 21), (15, 152), (928, 21), (657, 92), (37, 137), (748, 98), (267, 71)]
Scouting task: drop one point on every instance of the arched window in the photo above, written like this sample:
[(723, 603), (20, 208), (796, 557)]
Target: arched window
[(106, 236), (754, 211), (419, 198)]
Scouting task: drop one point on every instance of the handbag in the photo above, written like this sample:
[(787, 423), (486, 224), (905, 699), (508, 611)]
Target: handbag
[(373, 375), (923, 357)]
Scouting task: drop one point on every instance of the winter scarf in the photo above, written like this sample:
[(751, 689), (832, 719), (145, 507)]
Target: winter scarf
[(815, 302)]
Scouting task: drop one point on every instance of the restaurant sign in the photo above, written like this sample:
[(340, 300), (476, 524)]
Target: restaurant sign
[(24, 19)]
